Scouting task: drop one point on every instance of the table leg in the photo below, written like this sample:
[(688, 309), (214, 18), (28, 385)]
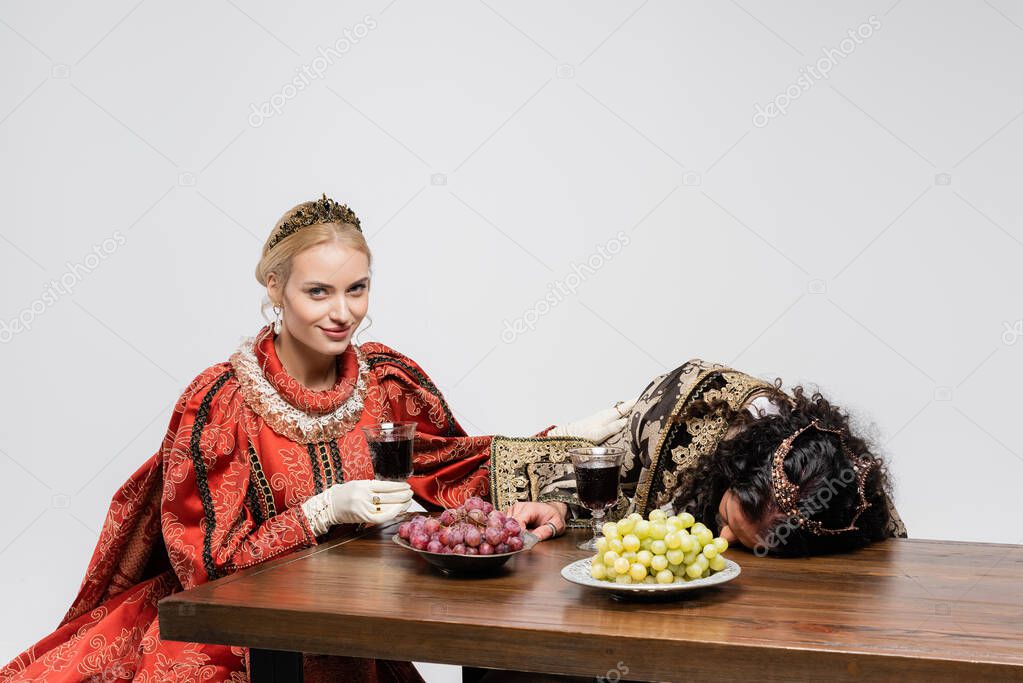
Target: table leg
[(275, 666), (471, 674)]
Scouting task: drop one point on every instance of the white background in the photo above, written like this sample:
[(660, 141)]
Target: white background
[(867, 240)]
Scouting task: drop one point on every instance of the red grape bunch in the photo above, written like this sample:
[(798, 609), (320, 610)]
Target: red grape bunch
[(473, 528)]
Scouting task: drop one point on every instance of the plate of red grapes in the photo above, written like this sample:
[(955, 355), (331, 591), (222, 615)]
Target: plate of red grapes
[(472, 538)]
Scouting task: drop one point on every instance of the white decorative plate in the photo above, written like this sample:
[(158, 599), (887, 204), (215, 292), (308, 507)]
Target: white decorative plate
[(579, 572)]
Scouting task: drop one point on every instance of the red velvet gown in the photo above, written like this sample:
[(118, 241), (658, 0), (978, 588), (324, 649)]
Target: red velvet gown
[(246, 445)]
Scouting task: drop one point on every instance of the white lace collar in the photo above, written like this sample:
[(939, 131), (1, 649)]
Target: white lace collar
[(284, 418)]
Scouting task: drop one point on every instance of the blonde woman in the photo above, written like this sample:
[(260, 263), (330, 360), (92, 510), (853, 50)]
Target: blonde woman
[(263, 455)]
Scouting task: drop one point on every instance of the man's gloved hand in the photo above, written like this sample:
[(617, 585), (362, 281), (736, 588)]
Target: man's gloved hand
[(599, 426), (363, 500)]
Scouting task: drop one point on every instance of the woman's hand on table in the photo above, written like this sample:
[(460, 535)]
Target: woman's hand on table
[(546, 520)]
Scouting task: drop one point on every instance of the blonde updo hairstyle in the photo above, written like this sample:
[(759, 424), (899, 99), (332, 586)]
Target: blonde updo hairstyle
[(277, 258)]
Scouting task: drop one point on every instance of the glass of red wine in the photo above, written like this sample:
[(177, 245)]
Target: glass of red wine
[(390, 449), (597, 474)]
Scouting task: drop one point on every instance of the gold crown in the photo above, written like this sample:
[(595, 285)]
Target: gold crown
[(323, 210)]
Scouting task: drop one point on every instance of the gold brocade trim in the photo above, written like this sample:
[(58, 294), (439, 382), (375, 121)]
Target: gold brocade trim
[(559, 497), (645, 483), (284, 418), (895, 526), (705, 433), (612, 514), (511, 458)]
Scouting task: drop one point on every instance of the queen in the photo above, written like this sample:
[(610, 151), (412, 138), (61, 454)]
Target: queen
[(264, 454)]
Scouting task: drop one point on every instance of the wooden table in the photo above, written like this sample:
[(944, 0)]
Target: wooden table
[(906, 609)]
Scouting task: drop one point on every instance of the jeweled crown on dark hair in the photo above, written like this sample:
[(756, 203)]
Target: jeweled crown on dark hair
[(323, 210), (786, 493)]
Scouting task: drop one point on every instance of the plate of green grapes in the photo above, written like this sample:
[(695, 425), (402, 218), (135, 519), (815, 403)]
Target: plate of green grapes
[(656, 558)]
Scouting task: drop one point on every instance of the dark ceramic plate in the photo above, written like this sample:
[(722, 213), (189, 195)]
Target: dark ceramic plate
[(468, 564)]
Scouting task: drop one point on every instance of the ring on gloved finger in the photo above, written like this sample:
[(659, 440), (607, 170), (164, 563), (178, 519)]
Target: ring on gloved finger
[(376, 501), (616, 408)]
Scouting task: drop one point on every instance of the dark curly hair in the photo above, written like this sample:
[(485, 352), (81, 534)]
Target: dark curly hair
[(815, 464)]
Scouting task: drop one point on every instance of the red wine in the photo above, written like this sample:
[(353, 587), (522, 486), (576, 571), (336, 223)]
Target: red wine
[(596, 483), (392, 460)]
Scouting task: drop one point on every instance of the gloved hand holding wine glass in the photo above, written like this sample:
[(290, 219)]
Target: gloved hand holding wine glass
[(370, 501), (364, 500)]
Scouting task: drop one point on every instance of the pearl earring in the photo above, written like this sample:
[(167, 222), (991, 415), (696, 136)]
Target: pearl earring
[(277, 319)]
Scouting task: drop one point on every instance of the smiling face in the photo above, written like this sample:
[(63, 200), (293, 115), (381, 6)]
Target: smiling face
[(325, 298)]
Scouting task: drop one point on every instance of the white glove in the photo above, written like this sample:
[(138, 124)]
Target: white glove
[(362, 500), (599, 426)]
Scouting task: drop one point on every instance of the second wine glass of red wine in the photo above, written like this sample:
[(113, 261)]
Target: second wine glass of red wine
[(597, 475)]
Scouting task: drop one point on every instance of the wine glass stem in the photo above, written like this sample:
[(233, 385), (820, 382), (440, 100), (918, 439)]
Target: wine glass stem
[(598, 522)]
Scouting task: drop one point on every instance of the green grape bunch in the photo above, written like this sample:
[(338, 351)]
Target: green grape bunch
[(660, 550)]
